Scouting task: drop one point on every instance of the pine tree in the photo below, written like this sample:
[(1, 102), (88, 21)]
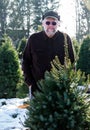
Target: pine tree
[(83, 62), (61, 105), (21, 47), (10, 70)]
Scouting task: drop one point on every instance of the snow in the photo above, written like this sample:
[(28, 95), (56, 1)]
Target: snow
[(12, 116)]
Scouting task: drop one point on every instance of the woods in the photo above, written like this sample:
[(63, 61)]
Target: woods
[(20, 18)]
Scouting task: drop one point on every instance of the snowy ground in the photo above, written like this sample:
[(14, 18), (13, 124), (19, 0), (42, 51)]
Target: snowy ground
[(12, 116)]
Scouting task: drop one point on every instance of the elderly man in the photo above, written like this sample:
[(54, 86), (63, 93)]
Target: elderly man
[(41, 49)]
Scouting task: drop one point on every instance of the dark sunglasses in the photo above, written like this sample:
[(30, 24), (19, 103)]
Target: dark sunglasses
[(48, 23)]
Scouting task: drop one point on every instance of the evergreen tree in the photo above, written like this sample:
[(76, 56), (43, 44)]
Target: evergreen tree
[(76, 47), (21, 47), (82, 20), (61, 105), (3, 15), (22, 90), (83, 62), (10, 70), (17, 19)]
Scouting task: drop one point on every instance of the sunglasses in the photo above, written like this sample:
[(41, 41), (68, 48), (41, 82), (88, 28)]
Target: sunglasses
[(48, 23)]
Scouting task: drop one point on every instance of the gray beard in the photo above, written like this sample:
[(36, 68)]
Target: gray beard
[(50, 33)]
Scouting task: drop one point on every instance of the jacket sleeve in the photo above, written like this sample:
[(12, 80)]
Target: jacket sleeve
[(27, 63)]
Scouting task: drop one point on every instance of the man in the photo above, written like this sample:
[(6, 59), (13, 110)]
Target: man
[(41, 49)]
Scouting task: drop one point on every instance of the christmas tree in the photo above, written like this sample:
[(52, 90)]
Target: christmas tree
[(61, 105), (10, 69), (83, 62)]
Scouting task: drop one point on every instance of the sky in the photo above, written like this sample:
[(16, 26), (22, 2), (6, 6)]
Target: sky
[(67, 14)]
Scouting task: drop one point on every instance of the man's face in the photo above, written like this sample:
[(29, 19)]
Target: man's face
[(50, 26)]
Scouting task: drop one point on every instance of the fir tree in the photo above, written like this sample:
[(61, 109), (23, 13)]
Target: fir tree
[(61, 105), (10, 70), (83, 62), (21, 47)]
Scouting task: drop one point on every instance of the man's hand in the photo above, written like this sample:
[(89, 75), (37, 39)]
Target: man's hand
[(30, 95)]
